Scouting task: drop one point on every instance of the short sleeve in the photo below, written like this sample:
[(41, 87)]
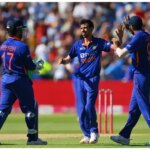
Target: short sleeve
[(73, 51), (106, 46), (28, 60), (133, 45)]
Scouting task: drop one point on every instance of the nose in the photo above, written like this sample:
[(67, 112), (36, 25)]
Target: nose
[(83, 30)]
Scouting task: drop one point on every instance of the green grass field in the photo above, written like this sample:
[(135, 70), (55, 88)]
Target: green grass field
[(62, 131)]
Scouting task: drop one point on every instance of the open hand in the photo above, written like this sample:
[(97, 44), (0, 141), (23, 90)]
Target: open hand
[(116, 43), (125, 22), (119, 31)]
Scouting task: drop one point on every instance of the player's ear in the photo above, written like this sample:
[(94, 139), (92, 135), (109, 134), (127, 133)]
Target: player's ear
[(131, 29), (91, 28)]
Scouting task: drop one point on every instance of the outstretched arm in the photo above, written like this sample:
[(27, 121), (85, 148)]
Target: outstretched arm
[(65, 60)]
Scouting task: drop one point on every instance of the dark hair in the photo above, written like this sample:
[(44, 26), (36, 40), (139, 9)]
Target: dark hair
[(89, 22)]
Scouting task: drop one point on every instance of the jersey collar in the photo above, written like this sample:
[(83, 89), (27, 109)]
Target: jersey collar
[(83, 43), (14, 37)]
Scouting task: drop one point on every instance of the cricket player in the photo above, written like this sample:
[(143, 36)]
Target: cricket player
[(16, 61), (139, 48), (89, 50)]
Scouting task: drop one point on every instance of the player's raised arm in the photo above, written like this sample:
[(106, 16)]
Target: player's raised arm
[(138, 47), (117, 42), (119, 32)]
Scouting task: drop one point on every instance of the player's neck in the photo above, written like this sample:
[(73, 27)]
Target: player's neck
[(136, 31), (88, 39), (15, 37)]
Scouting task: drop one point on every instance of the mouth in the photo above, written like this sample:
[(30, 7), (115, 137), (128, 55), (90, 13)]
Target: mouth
[(83, 33)]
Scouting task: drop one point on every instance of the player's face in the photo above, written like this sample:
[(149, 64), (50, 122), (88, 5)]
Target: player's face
[(85, 30)]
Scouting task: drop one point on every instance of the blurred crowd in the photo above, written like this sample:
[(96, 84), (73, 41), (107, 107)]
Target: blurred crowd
[(53, 27)]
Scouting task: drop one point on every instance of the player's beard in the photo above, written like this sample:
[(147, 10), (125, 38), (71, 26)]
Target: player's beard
[(85, 35)]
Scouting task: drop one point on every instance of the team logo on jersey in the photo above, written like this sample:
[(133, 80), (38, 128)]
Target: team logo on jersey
[(84, 55), (94, 47), (82, 48)]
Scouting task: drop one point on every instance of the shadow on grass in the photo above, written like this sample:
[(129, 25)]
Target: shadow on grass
[(2, 144), (141, 145), (123, 146)]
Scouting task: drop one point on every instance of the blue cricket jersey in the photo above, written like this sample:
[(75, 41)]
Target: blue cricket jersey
[(89, 57), (139, 47), (16, 58)]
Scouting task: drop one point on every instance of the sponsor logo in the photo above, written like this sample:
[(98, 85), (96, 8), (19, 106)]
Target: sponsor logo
[(84, 55), (94, 47)]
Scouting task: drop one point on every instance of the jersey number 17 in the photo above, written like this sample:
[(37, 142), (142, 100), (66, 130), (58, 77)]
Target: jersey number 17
[(7, 56)]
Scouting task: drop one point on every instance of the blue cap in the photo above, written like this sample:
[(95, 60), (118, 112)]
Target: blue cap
[(16, 23), (136, 22)]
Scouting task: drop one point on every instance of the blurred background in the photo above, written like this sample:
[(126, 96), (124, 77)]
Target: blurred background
[(52, 29)]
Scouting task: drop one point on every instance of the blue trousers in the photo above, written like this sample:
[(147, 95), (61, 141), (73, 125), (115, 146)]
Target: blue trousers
[(140, 103), (21, 89), (87, 90)]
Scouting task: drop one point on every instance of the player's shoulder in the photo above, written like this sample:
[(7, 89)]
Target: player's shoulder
[(22, 45), (78, 42), (96, 38), (3, 43), (141, 33), (93, 39), (99, 40)]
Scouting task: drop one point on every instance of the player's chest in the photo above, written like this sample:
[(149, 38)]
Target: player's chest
[(90, 50)]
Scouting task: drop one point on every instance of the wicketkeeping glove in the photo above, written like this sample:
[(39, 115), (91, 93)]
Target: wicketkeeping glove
[(39, 64)]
